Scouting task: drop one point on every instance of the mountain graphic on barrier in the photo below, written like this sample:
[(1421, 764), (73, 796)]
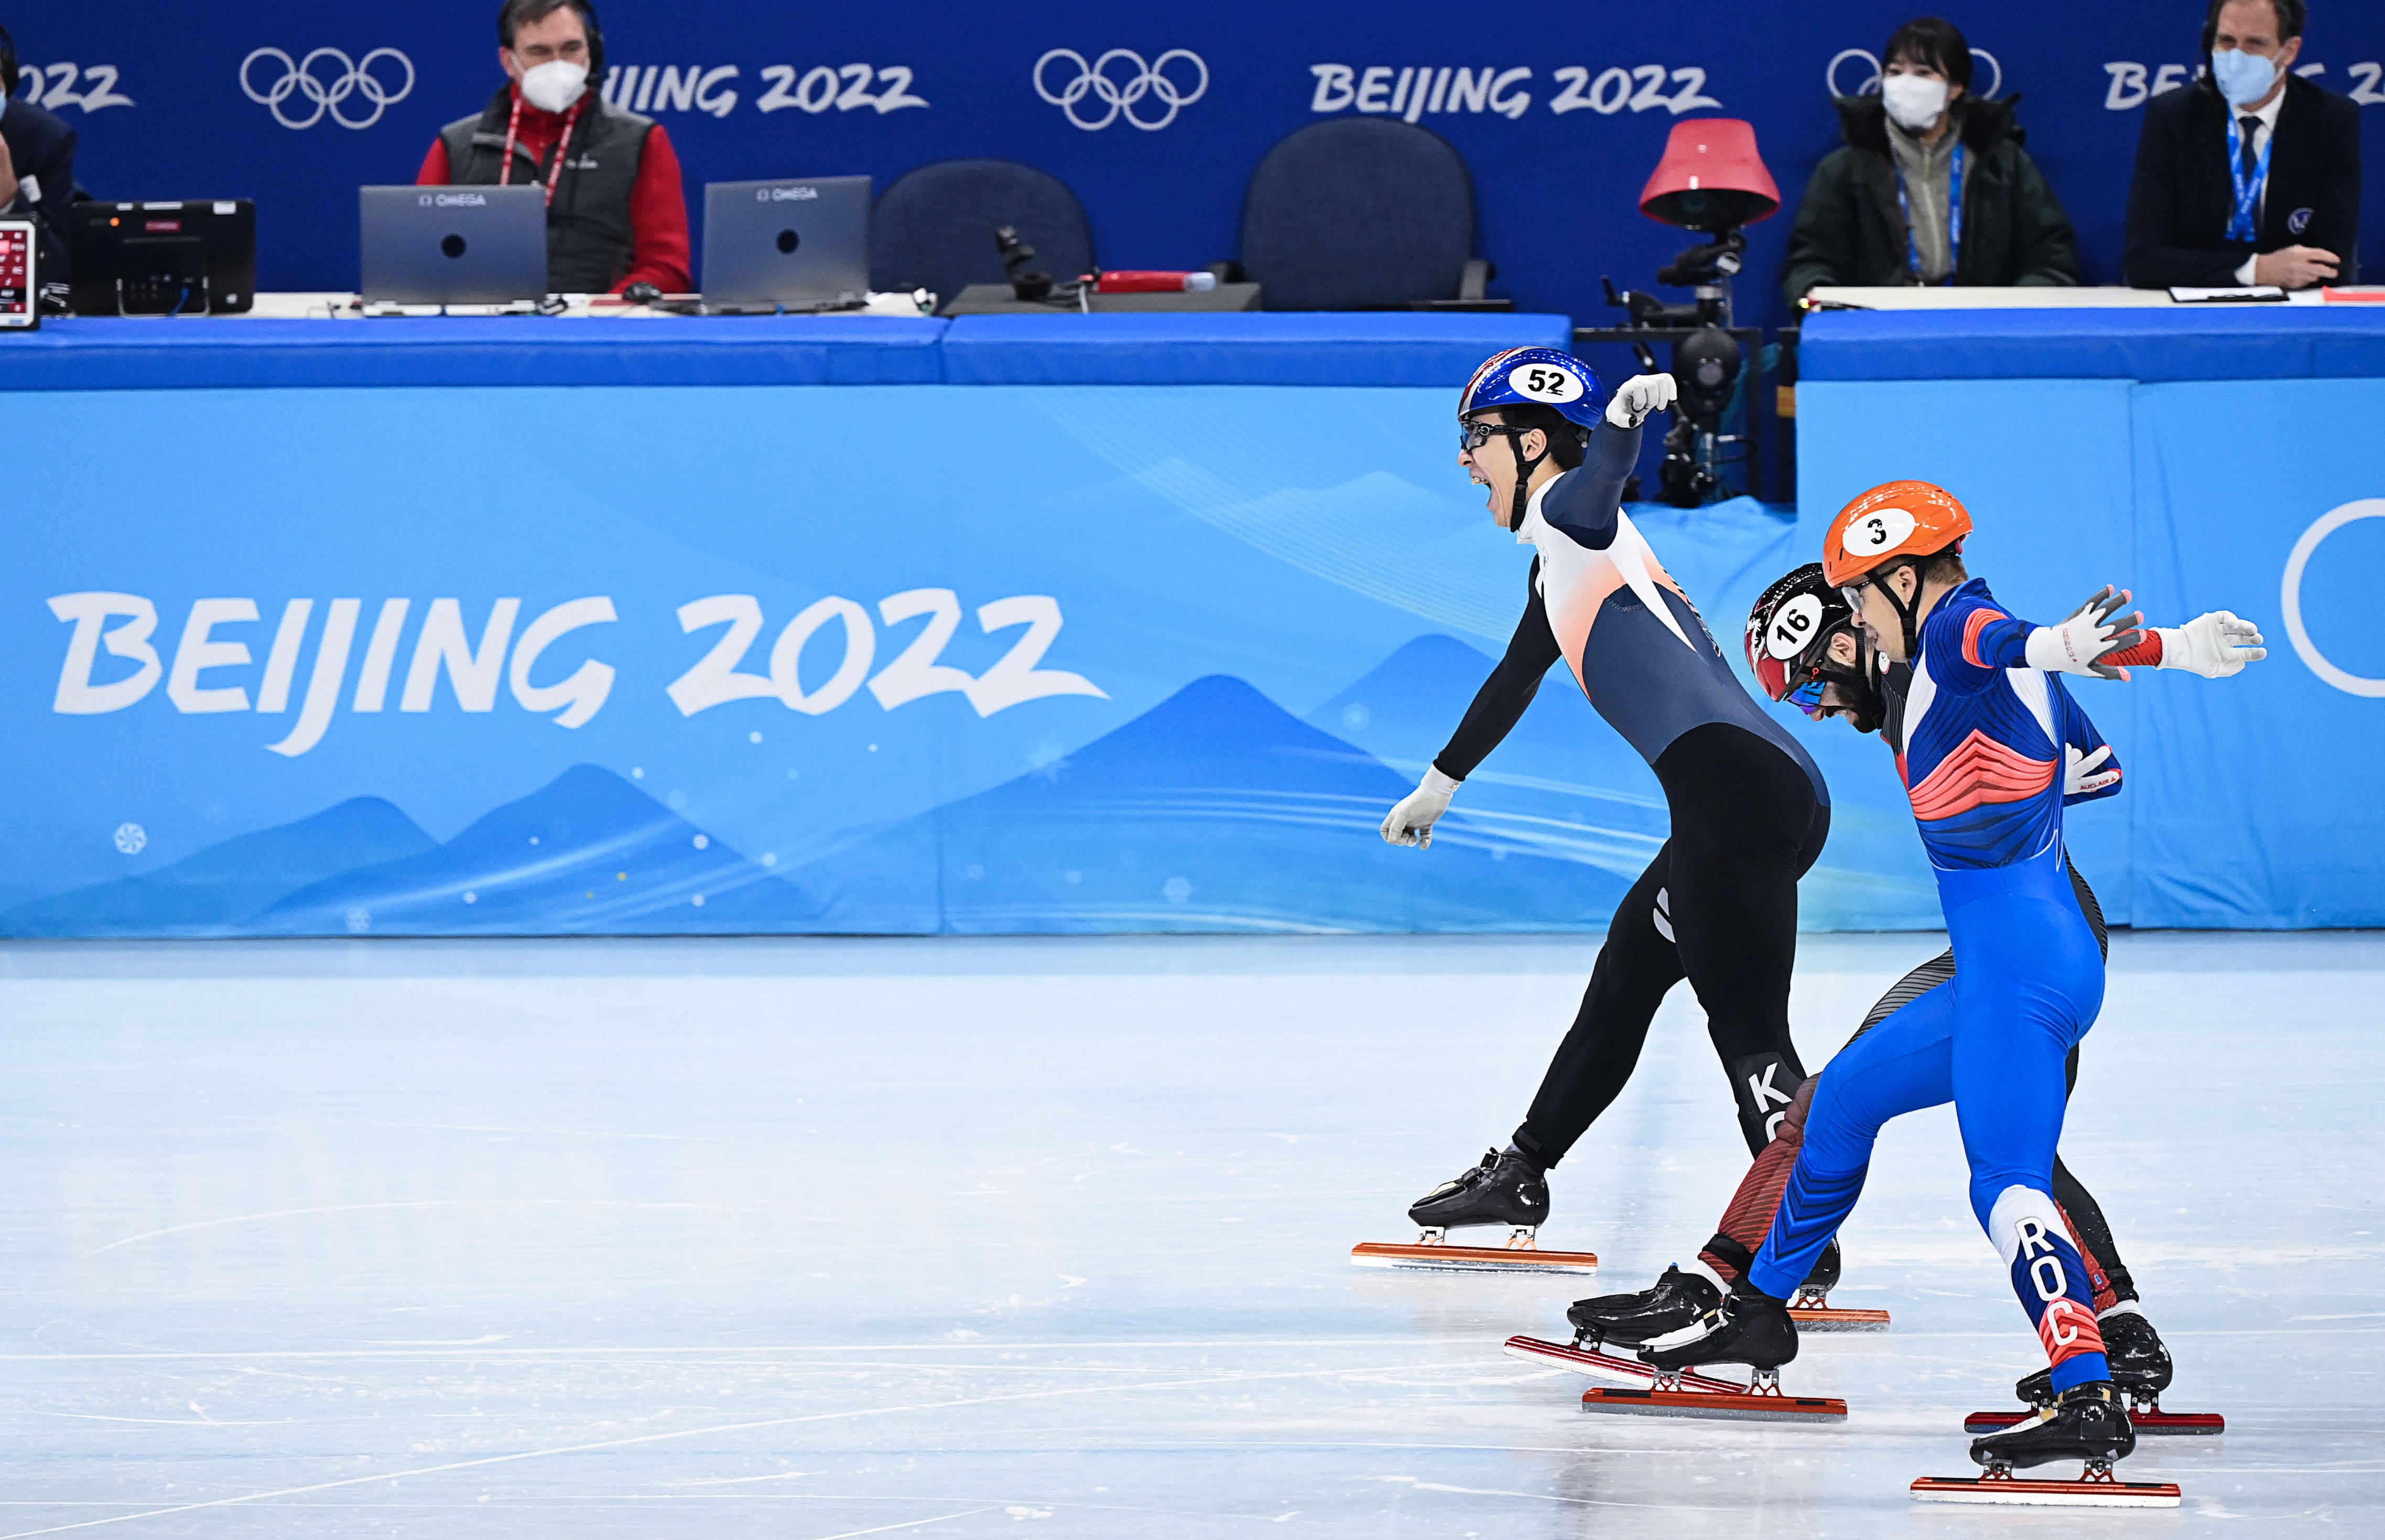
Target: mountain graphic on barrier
[(219, 890), (587, 854), (1214, 810)]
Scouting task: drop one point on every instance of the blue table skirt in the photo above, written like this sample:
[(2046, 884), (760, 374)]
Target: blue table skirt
[(226, 352), (1238, 348), (2235, 342), (1253, 348)]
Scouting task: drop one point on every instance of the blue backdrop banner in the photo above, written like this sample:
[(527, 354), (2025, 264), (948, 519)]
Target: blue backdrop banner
[(1035, 659), (1156, 114), (2265, 497)]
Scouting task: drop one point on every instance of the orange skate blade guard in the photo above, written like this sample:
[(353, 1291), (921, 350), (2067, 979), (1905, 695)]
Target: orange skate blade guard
[(2105, 1492), (1823, 1318), (1423, 1258), (2154, 1421)]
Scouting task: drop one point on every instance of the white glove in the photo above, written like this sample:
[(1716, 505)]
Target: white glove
[(1640, 396), (1411, 823), (2215, 644), (2078, 644), (2079, 771)]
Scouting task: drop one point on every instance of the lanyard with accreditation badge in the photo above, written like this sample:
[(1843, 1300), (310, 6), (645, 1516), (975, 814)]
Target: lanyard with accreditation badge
[(1954, 220), (562, 145), (2244, 226)]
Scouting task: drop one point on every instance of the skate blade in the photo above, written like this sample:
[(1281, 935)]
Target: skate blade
[(1823, 1318), (1606, 1366), (1469, 1259), (1736, 1405), (2046, 1494), (2165, 1423)]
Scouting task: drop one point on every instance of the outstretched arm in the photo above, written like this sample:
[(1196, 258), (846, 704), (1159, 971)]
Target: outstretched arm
[(2215, 644), (1500, 704), (1497, 708)]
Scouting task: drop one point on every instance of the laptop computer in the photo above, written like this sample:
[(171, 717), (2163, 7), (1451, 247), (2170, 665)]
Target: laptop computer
[(793, 243), (453, 246), (191, 257)]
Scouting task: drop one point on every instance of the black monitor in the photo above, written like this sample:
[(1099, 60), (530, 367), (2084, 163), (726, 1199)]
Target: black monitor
[(194, 257)]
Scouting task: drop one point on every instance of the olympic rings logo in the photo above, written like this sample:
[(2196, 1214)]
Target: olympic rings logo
[(1119, 97), (2290, 596), (1871, 82), (354, 79)]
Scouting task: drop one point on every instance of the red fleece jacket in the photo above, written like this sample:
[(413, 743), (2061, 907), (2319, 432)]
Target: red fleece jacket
[(658, 252)]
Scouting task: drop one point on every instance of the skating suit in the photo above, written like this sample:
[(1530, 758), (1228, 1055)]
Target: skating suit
[(1982, 764), (1750, 812)]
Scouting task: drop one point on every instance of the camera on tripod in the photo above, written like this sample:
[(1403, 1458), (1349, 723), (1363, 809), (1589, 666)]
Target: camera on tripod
[(1711, 181)]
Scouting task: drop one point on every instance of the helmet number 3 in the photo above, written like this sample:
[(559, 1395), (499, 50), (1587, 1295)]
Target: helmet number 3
[(1545, 383), (1880, 530)]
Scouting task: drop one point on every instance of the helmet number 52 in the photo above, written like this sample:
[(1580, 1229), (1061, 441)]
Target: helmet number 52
[(1545, 383)]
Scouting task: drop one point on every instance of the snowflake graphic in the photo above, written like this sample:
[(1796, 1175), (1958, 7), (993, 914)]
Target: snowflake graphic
[(359, 920), (130, 838)]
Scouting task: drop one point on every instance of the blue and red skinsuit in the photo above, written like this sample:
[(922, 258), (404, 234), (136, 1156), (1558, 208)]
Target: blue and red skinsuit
[(1982, 762)]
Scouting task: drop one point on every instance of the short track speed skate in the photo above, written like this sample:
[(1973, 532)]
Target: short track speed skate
[(1501, 1190), (1751, 1330), (2089, 1423), (2141, 1372), (1673, 1303), (1810, 1307)]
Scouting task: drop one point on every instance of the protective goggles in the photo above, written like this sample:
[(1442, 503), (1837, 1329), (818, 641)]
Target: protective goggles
[(1807, 696)]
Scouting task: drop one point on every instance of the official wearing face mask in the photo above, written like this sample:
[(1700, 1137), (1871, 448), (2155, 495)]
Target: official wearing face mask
[(615, 213), (1932, 187), (2253, 174)]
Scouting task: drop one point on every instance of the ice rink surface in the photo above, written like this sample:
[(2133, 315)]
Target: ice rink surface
[(956, 1238)]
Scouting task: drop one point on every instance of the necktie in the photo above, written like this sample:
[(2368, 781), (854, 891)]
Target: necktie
[(2252, 126)]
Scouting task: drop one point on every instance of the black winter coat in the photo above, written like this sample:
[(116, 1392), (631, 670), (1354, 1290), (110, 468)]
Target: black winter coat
[(1850, 230), (43, 148), (2183, 196)]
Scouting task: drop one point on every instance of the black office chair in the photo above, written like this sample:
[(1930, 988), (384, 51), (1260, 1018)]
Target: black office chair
[(933, 228), (1364, 214)]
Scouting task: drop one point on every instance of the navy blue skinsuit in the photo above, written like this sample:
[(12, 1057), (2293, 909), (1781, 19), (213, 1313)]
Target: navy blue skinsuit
[(1750, 813)]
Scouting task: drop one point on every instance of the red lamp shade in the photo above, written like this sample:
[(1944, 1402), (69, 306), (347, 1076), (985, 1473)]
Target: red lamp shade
[(1711, 178)]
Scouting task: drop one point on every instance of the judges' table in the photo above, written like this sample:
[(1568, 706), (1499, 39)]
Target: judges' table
[(2208, 457)]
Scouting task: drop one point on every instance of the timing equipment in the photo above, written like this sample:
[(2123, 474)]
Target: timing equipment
[(20, 307), (193, 257)]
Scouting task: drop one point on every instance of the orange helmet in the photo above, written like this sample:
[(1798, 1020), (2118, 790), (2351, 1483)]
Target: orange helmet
[(1899, 519)]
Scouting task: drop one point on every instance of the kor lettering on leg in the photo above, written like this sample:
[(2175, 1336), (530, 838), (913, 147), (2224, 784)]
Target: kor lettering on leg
[(1766, 1099)]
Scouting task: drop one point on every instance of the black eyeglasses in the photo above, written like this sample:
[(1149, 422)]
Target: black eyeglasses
[(1474, 435)]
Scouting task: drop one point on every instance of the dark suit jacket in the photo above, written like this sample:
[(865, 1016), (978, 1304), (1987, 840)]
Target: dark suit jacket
[(43, 148), (2183, 196)]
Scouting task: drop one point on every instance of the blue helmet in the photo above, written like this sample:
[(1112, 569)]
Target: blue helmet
[(1535, 377), (1528, 377)]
